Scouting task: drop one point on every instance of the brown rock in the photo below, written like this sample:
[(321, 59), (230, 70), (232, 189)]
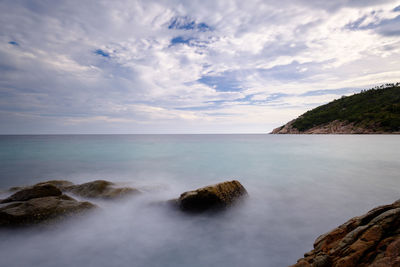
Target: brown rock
[(369, 240), (322, 261), (216, 196), (40, 210), (333, 127), (37, 191), (61, 184), (101, 189)]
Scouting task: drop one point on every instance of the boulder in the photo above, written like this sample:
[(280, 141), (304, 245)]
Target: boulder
[(369, 240), (100, 189), (37, 191), (215, 196), (61, 184), (41, 210)]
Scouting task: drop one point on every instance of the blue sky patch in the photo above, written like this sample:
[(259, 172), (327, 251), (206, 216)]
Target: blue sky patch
[(247, 98), (185, 23), (275, 96), (396, 9), (193, 42), (221, 83), (13, 43), (181, 40), (387, 27), (355, 25), (197, 108), (390, 27), (102, 53), (290, 72)]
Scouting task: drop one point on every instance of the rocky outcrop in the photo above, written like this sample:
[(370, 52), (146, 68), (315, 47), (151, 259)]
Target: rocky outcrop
[(95, 189), (370, 240), (37, 191), (286, 129), (61, 184), (100, 189), (40, 210), (334, 127), (210, 197), (45, 201)]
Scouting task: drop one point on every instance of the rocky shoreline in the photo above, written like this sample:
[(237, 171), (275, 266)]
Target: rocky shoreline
[(334, 127), (370, 240), (48, 201)]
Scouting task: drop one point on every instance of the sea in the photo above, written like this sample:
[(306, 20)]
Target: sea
[(300, 186)]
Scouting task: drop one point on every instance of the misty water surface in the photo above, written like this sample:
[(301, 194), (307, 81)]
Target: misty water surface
[(299, 186)]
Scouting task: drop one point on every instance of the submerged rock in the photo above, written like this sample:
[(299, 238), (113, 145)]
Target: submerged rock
[(369, 240), (40, 210), (101, 189), (216, 196), (37, 191)]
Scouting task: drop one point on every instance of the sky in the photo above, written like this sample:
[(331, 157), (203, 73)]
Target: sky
[(187, 66)]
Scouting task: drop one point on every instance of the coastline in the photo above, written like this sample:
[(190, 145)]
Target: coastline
[(372, 239), (334, 127)]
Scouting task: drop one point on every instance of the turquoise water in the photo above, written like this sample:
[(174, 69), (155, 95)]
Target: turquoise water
[(299, 186)]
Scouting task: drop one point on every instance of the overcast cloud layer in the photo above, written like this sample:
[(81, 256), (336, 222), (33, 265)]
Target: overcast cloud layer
[(187, 66)]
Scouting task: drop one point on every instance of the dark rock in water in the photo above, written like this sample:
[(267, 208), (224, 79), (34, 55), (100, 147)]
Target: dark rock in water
[(45, 202), (36, 191), (101, 189), (216, 196), (369, 240), (61, 184), (41, 210)]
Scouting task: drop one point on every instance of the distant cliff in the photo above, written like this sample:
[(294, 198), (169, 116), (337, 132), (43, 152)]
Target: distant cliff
[(373, 111)]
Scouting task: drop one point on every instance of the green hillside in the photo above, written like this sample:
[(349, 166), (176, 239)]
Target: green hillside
[(377, 108)]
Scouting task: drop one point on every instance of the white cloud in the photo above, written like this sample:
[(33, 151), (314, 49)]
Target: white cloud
[(49, 66)]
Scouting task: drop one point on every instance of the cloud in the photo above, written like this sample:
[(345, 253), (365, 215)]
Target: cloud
[(201, 66)]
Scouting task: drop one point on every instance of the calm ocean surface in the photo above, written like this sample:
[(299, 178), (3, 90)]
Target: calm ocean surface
[(299, 186)]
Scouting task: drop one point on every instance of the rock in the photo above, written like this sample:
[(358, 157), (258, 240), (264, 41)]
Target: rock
[(216, 196), (286, 129), (36, 191), (61, 184), (333, 127), (41, 210), (100, 189), (45, 201), (369, 240)]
